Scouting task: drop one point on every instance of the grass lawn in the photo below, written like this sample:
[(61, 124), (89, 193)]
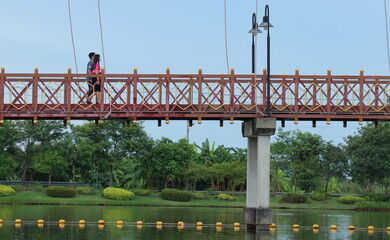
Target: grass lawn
[(32, 197)]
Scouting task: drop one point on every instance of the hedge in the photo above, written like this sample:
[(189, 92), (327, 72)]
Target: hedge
[(61, 192), (6, 191), (348, 199), (373, 206), (377, 197), (85, 190), (141, 192), (199, 196), (117, 194), (294, 198), (226, 197), (318, 196), (175, 195)]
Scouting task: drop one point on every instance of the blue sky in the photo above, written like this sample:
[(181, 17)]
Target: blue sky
[(185, 35)]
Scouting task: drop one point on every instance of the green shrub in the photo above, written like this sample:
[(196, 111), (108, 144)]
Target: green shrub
[(348, 199), (372, 205), (6, 191), (117, 194), (294, 198), (199, 196), (175, 195), (377, 197), (318, 196), (85, 190), (226, 197), (17, 188), (61, 192), (141, 192)]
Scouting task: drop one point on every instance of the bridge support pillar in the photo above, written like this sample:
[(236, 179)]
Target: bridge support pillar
[(257, 212)]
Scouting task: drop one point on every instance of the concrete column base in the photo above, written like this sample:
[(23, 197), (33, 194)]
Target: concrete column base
[(253, 234), (258, 218)]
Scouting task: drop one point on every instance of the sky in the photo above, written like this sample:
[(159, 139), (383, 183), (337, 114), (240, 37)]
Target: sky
[(151, 35)]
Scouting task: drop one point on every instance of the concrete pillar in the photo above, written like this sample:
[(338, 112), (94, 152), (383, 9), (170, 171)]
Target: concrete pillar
[(257, 211)]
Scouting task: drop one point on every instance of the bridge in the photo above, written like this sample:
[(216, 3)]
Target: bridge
[(196, 97)]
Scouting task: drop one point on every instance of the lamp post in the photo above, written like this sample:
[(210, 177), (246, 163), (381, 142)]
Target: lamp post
[(266, 25), (254, 31)]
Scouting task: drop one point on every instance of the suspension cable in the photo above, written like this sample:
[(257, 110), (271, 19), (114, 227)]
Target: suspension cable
[(103, 56), (387, 36), (226, 40), (71, 33)]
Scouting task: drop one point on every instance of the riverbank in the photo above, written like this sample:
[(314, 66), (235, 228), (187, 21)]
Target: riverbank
[(40, 198)]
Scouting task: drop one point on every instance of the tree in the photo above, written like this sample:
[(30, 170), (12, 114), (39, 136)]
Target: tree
[(9, 137), (301, 151), (334, 163), (369, 153), (35, 139)]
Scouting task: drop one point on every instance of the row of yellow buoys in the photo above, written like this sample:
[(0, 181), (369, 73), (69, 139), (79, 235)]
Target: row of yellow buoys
[(139, 224), (332, 227)]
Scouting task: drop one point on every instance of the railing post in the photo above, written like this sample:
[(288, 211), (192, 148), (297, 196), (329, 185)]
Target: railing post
[(67, 93), (135, 80), (361, 92), (296, 90), (102, 89), (329, 90), (35, 90), (200, 94), (232, 80), (167, 90)]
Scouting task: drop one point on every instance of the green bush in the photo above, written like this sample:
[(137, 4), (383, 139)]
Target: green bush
[(377, 197), (348, 199), (226, 197), (318, 196), (141, 192), (372, 205), (294, 198), (199, 196), (61, 192), (6, 191), (175, 195), (85, 190), (117, 194)]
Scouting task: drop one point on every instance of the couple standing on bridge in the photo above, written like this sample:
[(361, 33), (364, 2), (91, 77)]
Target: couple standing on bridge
[(93, 67)]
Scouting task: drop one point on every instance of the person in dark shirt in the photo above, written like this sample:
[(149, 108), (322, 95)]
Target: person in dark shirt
[(90, 67)]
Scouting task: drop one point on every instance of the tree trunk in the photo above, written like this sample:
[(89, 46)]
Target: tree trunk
[(24, 175), (73, 173), (49, 179), (326, 184), (295, 185), (110, 178)]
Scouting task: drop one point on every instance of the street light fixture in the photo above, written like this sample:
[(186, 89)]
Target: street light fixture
[(254, 31), (266, 25)]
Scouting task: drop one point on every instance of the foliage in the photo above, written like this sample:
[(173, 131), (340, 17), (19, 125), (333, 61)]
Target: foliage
[(6, 191), (294, 198), (377, 197), (175, 195), (226, 197), (60, 191), (85, 190), (117, 194), (369, 151), (141, 192), (367, 205), (349, 199), (199, 196), (318, 196)]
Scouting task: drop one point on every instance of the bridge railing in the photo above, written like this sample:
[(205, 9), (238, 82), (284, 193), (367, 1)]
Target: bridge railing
[(194, 96)]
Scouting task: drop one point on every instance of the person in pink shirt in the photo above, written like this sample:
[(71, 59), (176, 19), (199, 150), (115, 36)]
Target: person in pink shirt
[(96, 81)]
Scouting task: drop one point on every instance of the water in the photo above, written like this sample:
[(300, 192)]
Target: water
[(110, 214)]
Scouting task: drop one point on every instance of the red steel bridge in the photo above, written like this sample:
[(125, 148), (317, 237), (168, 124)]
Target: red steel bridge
[(197, 96)]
